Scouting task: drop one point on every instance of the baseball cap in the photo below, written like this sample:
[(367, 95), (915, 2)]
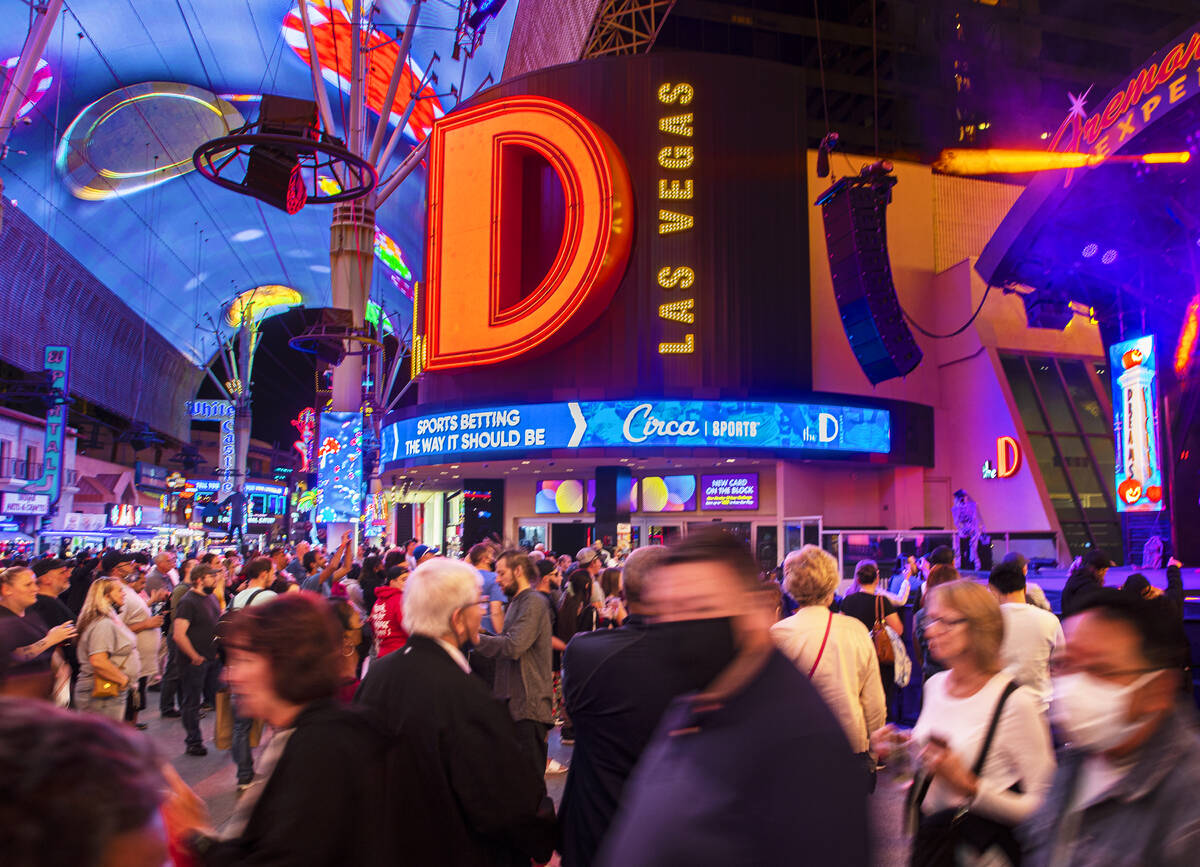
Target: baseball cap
[(113, 559), (49, 564), (586, 555), (421, 550)]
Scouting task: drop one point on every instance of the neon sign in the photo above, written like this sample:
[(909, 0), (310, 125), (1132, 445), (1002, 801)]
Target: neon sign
[(472, 305), (1135, 425), (220, 411), (673, 189), (1008, 459), (822, 428), (42, 78), (306, 424), (1132, 106), (57, 364), (1186, 348)]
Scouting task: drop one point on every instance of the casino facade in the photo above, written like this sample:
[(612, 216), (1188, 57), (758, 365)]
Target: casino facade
[(629, 326)]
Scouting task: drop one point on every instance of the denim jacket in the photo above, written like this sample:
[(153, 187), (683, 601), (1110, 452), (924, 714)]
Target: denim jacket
[(1150, 817)]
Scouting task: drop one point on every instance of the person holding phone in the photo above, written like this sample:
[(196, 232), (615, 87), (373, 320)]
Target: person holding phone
[(985, 753)]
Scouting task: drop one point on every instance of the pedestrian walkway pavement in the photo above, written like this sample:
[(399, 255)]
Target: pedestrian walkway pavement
[(214, 779)]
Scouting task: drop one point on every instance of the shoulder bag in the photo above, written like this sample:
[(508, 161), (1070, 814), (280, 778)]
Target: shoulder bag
[(941, 835), (879, 636)]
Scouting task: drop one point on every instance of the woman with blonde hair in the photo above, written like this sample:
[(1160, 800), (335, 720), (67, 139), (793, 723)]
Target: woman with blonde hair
[(986, 759), (107, 651), (834, 650)]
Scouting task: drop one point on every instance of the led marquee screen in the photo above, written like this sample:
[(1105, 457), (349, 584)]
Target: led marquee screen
[(732, 491), (632, 424), (339, 467), (1134, 367)]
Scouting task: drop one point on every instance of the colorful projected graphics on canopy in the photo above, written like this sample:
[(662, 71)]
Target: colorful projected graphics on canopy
[(339, 467), (331, 32), (38, 85), (254, 304), (731, 491), (1135, 425), (668, 493), (140, 136)]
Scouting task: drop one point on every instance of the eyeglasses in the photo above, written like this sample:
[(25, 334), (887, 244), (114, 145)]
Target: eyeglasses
[(1061, 665), (947, 622)]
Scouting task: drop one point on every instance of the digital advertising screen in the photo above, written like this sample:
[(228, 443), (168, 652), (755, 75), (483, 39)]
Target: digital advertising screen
[(729, 492), (565, 496), (827, 429), (668, 493), (339, 467), (1134, 368)]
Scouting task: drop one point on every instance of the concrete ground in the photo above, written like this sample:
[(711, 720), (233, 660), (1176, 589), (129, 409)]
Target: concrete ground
[(213, 778)]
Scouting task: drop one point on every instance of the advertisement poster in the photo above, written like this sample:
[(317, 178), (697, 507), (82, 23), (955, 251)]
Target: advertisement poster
[(1134, 367), (339, 468), (732, 491)]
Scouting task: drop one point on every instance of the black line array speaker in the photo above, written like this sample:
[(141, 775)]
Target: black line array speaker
[(856, 237)]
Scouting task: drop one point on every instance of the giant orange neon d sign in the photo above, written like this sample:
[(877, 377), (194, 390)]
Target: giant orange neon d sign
[(472, 315)]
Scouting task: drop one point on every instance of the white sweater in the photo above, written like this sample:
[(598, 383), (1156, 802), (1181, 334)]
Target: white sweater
[(848, 674), (1020, 751)]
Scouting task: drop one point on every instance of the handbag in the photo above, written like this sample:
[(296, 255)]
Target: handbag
[(879, 636), (223, 726), (821, 652), (940, 835), (104, 688)]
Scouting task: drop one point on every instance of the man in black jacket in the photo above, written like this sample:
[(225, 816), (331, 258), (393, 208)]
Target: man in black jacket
[(616, 685), (1085, 582), (460, 791)]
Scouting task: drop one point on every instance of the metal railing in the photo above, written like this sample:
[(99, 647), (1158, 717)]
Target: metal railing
[(14, 468)]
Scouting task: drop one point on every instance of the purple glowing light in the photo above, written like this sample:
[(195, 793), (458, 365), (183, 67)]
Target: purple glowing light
[(1109, 257), (1090, 250)]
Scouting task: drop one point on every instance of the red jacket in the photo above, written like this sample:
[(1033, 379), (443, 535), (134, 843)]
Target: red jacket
[(387, 619)]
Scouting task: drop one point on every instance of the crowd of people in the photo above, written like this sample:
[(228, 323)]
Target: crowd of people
[(717, 715)]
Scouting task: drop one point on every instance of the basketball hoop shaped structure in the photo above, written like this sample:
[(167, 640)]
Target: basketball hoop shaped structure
[(332, 342), (285, 170)]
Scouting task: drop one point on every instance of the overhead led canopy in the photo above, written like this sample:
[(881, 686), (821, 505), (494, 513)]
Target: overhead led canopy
[(104, 152), (258, 303)]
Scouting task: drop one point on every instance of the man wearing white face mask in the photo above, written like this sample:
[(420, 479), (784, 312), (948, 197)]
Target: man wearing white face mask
[(1124, 792)]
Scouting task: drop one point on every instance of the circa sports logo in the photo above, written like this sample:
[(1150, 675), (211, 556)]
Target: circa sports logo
[(652, 426)]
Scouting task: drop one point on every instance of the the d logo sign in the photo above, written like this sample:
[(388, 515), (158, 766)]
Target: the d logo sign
[(474, 309)]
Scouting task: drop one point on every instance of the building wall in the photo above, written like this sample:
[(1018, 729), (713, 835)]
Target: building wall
[(936, 225)]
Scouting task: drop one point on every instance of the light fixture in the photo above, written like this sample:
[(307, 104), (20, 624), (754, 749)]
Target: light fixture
[(1109, 257), (1089, 251)]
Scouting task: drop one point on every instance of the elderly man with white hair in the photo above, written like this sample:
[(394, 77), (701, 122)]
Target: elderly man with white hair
[(834, 650), (459, 790)]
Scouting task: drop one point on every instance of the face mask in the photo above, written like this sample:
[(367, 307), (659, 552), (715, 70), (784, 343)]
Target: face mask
[(702, 647), (1094, 713), (116, 607), (209, 589)]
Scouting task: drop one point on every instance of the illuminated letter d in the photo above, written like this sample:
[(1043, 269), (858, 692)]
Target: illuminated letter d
[(481, 303)]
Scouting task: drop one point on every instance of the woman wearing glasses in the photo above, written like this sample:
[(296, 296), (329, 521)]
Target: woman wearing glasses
[(985, 755)]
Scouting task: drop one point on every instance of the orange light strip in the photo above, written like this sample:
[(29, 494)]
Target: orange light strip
[(993, 161), (1185, 350)]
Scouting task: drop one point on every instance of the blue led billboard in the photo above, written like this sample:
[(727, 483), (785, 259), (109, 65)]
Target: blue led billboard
[(339, 467), (634, 424)]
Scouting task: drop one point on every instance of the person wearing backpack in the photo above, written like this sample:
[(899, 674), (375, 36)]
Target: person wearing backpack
[(259, 576), (875, 611), (985, 754)]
